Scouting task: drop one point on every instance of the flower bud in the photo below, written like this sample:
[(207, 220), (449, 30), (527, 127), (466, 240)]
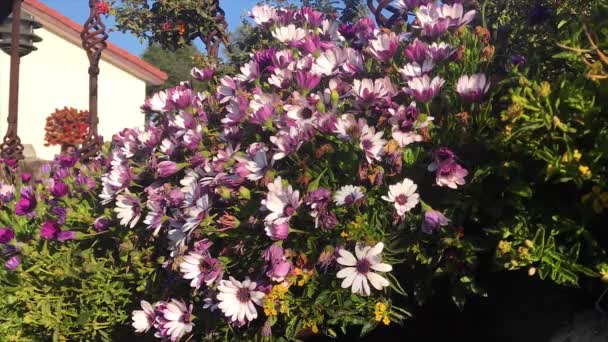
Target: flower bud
[(6, 235), (244, 193)]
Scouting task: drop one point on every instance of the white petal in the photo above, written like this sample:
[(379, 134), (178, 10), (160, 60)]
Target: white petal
[(377, 249), (361, 250), (348, 281), (378, 282), (357, 283), (382, 267), (346, 258), (345, 272), (365, 289)]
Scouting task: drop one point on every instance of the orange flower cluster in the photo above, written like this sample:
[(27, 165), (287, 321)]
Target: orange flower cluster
[(102, 7), (67, 126)]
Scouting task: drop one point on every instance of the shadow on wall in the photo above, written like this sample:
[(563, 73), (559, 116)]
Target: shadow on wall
[(518, 309)]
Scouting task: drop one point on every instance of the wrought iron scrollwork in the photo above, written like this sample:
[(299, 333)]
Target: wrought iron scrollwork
[(94, 38), (219, 36), (393, 15)]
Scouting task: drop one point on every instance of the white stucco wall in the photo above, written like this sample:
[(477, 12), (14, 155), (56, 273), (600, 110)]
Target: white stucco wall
[(56, 75)]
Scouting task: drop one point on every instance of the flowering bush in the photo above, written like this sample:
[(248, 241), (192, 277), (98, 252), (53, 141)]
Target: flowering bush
[(324, 187), (64, 264), (67, 126), (286, 194)]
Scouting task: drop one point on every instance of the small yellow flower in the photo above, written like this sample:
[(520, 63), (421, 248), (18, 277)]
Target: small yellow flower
[(523, 252), (344, 234), (381, 313), (315, 329), (504, 247), (577, 155), (585, 171)]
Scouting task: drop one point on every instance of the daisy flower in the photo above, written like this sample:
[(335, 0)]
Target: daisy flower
[(143, 319), (289, 33), (358, 271), (423, 89), (200, 269), (237, 299), (403, 195), (348, 194), (128, 209), (472, 88), (173, 320), (384, 46), (281, 201), (263, 14), (372, 143)]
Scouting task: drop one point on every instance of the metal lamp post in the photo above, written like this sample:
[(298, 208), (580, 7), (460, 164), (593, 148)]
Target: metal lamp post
[(94, 38), (17, 42)]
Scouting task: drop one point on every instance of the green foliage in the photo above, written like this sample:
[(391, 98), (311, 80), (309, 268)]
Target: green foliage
[(66, 292), (177, 64), (171, 24), (542, 167), (532, 28), (353, 10)]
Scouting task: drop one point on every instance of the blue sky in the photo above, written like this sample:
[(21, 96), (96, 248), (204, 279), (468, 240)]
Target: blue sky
[(78, 10)]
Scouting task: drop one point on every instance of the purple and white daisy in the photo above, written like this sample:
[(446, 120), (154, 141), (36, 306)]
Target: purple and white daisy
[(282, 202), (263, 14), (472, 88), (289, 33), (403, 195), (440, 52), (367, 92), (286, 142), (448, 172), (237, 299), (27, 202), (278, 230), (423, 89), (202, 75), (358, 273), (405, 121), (250, 71), (416, 51), (432, 20), (371, 143), (255, 168), (128, 209), (7, 193), (456, 15), (201, 269), (227, 88), (143, 319), (451, 175), (173, 319), (384, 46), (348, 195), (328, 62), (414, 69), (433, 219)]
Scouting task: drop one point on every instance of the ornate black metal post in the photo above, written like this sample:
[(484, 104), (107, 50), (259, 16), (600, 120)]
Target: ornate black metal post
[(11, 147), (94, 38), (218, 36), (381, 19)]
